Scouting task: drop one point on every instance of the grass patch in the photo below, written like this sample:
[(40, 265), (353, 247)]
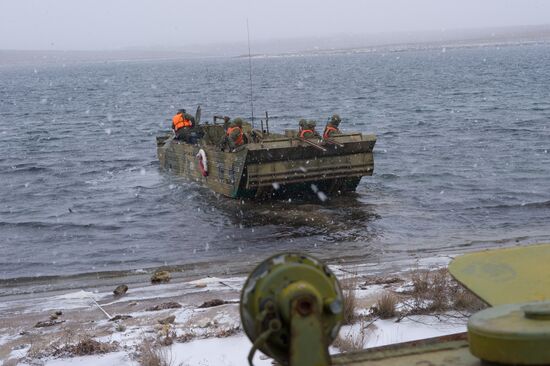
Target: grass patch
[(90, 346), (120, 327), (352, 341), (436, 292), (227, 332), (465, 300), (386, 306), (152, 354), (349, 285), (66, 346)]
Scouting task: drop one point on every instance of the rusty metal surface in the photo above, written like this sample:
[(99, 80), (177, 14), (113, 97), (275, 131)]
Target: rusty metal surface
[(506, 276), (225, 170), (278, 161)]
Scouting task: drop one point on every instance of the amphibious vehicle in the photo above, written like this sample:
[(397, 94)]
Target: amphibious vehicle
[(269, 164)]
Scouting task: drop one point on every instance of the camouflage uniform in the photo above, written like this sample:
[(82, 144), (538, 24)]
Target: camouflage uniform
[(307, 125), (331, 129), (185, 132), (189, 117), (182, 132), (194, 134), (231, 139), (226, 122)]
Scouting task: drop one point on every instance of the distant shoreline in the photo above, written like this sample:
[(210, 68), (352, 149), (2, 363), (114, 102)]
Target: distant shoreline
[(67, 57), (337, 45), (398, 48)]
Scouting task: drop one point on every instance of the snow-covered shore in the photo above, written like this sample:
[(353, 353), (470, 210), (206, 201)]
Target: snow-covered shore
[(196, 322)]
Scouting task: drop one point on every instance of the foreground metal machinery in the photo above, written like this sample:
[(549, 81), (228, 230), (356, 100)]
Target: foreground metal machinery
[(516, 283), (291, 310)]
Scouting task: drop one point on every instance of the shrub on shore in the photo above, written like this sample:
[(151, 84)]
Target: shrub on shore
[(152, 354), (436, 292), (386, 306), (349, 285), (352, 341)]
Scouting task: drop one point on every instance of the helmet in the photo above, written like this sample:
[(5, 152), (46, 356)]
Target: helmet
[(181, 111), (302, 123), (238, 122), (335, 119), (311, 124)]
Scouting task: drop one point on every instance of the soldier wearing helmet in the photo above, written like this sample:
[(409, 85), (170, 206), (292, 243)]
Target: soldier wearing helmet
[(182, 122), (234, 136), (331, 128), (307, 129)]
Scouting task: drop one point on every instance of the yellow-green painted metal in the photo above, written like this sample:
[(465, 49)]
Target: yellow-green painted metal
[(306, 329), (271, 163), (272, 293), (506, 276), (440, 351), (514, 334), (516, 331)]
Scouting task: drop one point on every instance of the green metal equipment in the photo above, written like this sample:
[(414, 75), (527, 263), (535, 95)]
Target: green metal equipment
[(516, 282), (506, 276), (513, 334), (292, 309)]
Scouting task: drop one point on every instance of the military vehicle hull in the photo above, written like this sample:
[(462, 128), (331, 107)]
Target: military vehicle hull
[(277, 165)]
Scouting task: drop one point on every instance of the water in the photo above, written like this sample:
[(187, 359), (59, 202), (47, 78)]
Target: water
[(462, 159)]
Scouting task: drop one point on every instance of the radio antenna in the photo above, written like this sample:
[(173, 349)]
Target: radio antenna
[(250, 73)]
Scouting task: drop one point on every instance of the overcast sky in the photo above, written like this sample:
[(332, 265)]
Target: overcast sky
[(113, 24)]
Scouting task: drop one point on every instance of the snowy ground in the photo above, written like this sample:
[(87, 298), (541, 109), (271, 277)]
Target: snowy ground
[(231, 351), (197, 336)]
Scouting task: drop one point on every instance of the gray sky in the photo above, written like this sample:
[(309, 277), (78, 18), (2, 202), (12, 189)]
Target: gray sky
[(113, 24)]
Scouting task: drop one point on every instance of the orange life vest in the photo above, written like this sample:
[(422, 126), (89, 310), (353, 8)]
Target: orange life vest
[(326, 134), (179, 121), (304, 132), (240, 139)]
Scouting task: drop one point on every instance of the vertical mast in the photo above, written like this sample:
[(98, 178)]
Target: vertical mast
[(250, 73)]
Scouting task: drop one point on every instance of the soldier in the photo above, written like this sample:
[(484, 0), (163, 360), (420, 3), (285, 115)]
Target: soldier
[(234, 136), (331, 128), (181, 123), (307, 129), (226, 122)]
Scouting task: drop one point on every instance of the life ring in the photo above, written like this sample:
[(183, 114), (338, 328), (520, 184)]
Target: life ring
[(203, 162)]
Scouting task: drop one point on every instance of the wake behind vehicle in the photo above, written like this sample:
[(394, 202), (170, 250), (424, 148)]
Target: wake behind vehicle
[(269, 164)]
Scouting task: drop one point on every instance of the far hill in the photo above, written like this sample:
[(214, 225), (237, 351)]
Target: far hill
[(343, 43)]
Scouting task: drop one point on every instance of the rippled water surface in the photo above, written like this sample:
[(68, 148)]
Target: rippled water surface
[(461, 160)]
